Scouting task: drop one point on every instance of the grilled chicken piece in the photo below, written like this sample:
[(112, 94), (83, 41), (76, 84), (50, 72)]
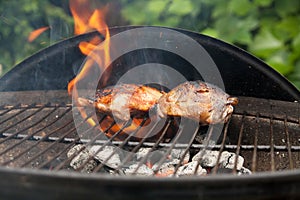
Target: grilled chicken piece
[(123, 100), (197, 100)]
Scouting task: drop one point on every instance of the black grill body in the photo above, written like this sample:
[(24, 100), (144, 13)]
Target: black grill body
[(36, 129)]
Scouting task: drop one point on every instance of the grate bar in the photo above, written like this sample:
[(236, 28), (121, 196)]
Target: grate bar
[(59, 166), (90, 142), (49, 147), (159, 145), (34, 133), (40, 139), (237, 152), (153, 147), (12, 116), (60, 143), (206, 145), (8, 109), (20, 121), (135, 149), (288, 144), (272, 152), (222, 146), (186, 150), (174, 142), (254, 157), (125, 142), (66, 161)]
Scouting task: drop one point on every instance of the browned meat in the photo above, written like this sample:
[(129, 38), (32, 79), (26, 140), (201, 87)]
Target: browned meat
[(123, 100), (197, 100)]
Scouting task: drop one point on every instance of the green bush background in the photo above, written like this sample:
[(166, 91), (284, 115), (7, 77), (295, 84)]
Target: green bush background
[(269, 29)]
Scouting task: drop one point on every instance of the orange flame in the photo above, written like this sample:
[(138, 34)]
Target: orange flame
[(36, 33), (88, 19)]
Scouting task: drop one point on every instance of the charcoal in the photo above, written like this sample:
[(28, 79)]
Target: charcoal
[(142, 152), (165, 170), (228, 160), (244, 171), (82, 159), (75, 150), (102, 155), (190, 168), (208, 159), (176, 154), (143, 170)]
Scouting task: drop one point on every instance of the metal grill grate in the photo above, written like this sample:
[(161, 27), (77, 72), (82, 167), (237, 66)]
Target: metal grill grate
[(265, 133)]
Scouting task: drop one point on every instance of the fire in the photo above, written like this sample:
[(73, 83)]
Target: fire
[(36, 33), (86, 19)]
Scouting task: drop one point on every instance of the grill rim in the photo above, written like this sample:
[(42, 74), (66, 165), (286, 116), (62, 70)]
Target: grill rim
[(212, 45), (70, 185), (284, 175)]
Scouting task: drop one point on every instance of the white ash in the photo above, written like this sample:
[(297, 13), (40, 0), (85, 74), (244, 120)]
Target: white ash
[(207, 158), (156, 155), (82, 159), (87, 159), (190, 168), (143, 170), (177, 154), (102, 155), (244, 171), (152, 157), (166, 169), (142, 152), (227, 159), (173, 161), (74, 150), (89, 166)]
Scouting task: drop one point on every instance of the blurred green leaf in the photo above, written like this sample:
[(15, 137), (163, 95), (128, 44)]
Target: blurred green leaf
[(288, 27), (157, 6), (265, 43), (284, 8), (295, 76), (296, 43), (269, 29), (234, 30), (279, 61), (180, 7), (220, 9), (135, 13), (240, 7), (262, 3)]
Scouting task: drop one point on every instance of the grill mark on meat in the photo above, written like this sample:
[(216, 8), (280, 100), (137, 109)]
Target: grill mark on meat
[(197, 100), (124, 100)]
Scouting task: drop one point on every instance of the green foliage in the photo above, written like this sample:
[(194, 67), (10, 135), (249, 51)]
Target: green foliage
[(269, 29), (19, 18)]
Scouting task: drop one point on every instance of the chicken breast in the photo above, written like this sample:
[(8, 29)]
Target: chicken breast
[(199, 101), (121, 101)]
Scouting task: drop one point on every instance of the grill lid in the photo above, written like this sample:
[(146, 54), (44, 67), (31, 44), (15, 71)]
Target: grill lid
[(53, 67)]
